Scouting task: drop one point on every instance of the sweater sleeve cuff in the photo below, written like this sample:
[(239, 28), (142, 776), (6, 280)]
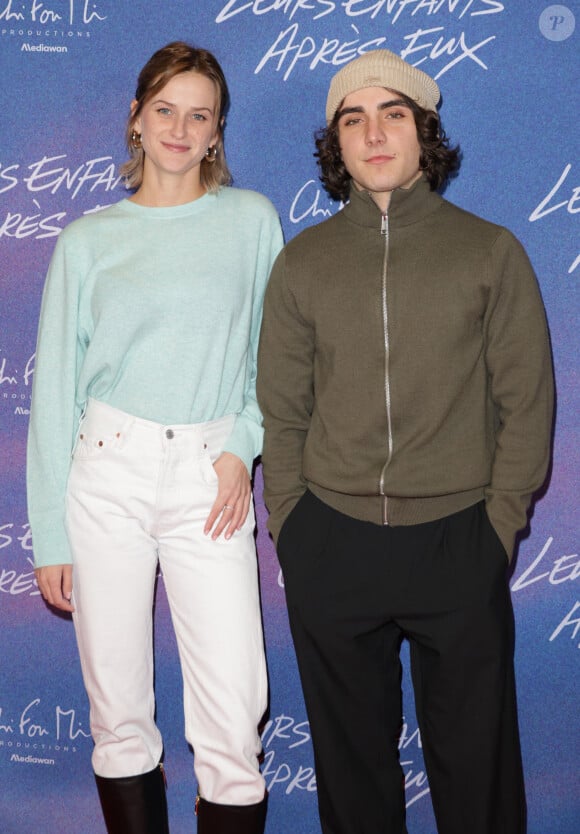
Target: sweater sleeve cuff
[(50, 544), (245, 441)]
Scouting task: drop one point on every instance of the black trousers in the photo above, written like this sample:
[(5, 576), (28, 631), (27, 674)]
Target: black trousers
[(354, 591)]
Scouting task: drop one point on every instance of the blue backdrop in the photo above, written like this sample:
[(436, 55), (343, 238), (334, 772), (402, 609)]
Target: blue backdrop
[(509, 76)]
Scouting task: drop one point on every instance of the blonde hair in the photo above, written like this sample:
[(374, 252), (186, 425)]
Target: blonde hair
[(171, 60)]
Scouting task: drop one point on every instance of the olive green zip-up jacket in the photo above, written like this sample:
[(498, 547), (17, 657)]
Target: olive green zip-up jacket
[(404, 370)]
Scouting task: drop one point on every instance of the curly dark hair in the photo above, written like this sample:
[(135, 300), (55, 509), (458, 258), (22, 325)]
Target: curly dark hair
[(438, 159)]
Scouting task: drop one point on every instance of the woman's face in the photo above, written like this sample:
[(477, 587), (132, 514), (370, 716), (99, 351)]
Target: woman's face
[(177, 126)]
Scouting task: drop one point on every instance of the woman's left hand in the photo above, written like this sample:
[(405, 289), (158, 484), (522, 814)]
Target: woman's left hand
[(232, 504)]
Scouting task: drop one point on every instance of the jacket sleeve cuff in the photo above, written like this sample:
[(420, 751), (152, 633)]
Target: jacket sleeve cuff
[(507, 513)]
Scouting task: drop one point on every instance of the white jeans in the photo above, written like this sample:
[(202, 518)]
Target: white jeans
[(139, 493)]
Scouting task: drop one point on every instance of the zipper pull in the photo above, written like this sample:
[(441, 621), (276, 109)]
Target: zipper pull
[(384, 224), (385, 511)]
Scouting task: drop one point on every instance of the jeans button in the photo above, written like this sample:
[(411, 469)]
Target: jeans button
[(169, 434)]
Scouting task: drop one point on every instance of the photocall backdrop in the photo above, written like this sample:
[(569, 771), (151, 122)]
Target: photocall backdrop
[(509, 77)]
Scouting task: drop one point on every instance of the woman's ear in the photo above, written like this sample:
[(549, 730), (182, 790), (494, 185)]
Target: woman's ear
[(137, 123), (219, 132)]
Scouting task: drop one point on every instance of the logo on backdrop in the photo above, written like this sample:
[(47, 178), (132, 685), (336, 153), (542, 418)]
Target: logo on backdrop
[(283, 735), (311, 201), (553, 570), (17, 574), (433, 34), (561, 196), (557, 23), (34, 732), (15, 385), (40, 181), (50, 27)]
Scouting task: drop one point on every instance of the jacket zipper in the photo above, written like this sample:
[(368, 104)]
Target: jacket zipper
[(385, 234)]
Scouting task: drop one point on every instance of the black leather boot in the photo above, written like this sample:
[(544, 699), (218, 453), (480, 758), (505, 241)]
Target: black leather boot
[(134, 804), (230, 819)]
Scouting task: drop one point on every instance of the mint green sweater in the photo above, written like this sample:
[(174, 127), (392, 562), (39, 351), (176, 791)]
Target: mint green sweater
[(155, 311)]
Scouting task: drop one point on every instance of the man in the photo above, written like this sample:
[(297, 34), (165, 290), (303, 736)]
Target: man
[(405, 382)]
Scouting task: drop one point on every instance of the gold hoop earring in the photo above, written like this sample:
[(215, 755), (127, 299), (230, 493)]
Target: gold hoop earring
[(211, 154), (136, 142)]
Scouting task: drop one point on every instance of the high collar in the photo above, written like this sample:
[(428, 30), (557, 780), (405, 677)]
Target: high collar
[(407, 205)]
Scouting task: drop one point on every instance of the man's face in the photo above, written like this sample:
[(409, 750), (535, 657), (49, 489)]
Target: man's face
[(378, 142)]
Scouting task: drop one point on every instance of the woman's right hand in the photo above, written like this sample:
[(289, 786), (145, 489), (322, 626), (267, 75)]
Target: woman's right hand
[(55, 585)]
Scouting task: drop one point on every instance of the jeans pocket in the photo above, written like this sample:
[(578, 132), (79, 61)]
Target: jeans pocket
[(95, 445), (207, 468)]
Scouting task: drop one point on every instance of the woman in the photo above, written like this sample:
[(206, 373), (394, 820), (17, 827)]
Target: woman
[(145, 371)]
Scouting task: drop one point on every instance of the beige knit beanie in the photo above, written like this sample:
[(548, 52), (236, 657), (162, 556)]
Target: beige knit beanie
[(382, 68)]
